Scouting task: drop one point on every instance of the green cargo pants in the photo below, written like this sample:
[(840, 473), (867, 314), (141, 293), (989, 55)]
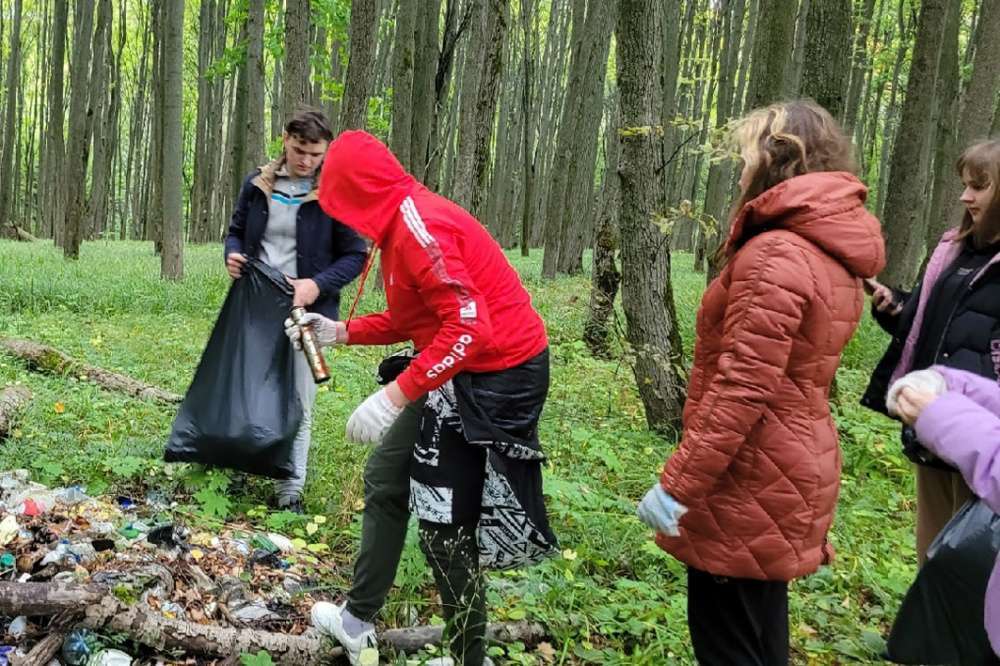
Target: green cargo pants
[(451, 550)]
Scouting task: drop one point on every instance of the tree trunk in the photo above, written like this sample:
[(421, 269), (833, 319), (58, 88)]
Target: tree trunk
[(605, 278), (463, 181), (741, 101), (401, 136), (255, 140), (670, 66), (237, 133), (172, 257), (274, 94), (134, 165), (578, 217), (201, 193), (978, 105), (647, 294), (426, 47), (154, 171), (772, 47), (486, 99), (295, 75), (890, 125), (904, 218), (859, 66), (99, 105), (794, 70), (721, 173), (587, 31), (946, 129), (528, 29), (439, 141), (7, 152), (360, 65), (552, 96), (78, 153), (827, 54)]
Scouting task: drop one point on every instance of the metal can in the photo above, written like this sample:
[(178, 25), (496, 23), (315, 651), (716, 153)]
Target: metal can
[(311, 348)]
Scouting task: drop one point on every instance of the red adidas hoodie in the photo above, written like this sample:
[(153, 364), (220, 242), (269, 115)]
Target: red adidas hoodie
[(448, 285)]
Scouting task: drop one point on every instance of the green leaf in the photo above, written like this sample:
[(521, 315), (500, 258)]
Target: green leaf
[(213, 505), (260, 659)]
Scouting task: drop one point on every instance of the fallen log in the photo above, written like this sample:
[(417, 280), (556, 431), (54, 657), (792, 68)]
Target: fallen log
[(12, 401), (411, 639), (161, 633), (43, 652), (52, 361), (47, 598), (103, 612), (23, 235)]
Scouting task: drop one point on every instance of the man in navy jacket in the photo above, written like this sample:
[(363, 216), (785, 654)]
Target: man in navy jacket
[(278, 220)]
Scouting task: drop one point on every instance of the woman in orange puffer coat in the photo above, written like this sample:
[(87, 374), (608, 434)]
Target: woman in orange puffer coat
[(748, 498)]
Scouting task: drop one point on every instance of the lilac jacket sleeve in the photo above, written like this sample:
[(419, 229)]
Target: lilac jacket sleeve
[(963, 428)]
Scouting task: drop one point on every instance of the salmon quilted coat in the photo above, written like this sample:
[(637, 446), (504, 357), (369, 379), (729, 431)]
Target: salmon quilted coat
[(759, 463)]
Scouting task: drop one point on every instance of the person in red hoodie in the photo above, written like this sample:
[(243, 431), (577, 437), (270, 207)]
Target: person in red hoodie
[(748, 497), (456, 428)]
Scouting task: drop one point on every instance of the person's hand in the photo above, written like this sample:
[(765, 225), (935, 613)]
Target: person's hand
[(883, 298), (234, 264), (927, 382), (370, 421), (306, 292), (911, 403), (328, 332), (661, 511)]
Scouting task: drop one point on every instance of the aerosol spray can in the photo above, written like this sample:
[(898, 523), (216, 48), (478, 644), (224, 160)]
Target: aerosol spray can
[(310, 347)]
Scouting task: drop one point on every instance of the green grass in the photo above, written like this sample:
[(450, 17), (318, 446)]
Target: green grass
[(612, 597)]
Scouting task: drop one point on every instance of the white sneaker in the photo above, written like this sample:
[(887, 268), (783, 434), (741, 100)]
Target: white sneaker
[(446, 661), (361, 650)]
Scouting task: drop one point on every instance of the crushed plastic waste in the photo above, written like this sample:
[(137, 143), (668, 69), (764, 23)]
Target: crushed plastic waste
[(17, 627), (110, 658), (78, 646)]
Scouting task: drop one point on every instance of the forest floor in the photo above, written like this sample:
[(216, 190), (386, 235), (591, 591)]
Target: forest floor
[(610, 597)]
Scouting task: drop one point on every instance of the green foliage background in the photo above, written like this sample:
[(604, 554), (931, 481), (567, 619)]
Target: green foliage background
[(612, 597)]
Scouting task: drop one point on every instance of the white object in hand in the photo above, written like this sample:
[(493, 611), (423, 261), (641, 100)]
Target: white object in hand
[(925, 381), (372, 418)]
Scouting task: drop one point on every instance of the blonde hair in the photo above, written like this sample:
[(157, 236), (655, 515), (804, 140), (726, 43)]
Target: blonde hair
[(782, 141), (981, 162)]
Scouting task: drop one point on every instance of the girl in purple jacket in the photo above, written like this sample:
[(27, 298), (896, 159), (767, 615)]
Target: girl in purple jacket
[(956, 415)]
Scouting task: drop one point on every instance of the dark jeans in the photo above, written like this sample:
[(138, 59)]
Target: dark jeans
[(737, 620), (451, 550)]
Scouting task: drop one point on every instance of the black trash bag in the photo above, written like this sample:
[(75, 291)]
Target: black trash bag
[(941, 620), (242, 410)]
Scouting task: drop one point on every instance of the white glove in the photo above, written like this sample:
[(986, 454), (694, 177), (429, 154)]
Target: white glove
[(661, 511), (372, 418), (926, 381), (328, 332)]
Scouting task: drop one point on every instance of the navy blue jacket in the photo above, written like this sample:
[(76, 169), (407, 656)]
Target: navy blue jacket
[(328, 252)]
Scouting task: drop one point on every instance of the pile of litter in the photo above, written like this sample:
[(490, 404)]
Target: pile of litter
[(235, 577)]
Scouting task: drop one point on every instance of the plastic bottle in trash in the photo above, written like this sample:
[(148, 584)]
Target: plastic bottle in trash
[(77, 647), (311, 348)]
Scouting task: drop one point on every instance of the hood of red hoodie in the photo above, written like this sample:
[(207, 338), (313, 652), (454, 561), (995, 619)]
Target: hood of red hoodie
[(826, 208), (362, 184)]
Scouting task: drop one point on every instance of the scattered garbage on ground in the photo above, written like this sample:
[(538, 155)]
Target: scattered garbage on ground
[(232, 576)]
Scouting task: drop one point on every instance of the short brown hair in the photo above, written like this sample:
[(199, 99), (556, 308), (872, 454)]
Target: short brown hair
[(981, 164), (309, 125)]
